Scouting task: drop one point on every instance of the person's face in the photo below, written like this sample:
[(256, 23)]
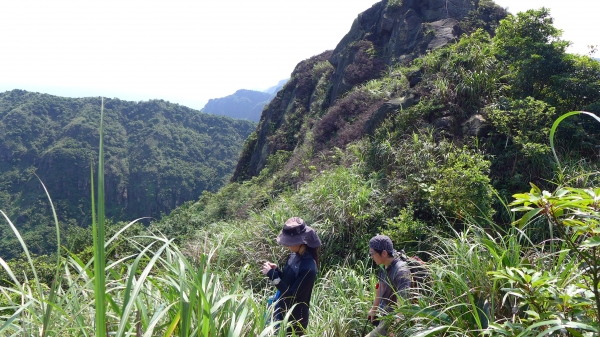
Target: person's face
[(378, 258), (294, 249)]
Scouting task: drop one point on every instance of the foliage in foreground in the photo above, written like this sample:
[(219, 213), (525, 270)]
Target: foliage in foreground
[(483, 281)]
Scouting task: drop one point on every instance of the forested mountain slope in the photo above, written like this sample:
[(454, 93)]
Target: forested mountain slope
[(417, 65), (388, 34), (158, 155)]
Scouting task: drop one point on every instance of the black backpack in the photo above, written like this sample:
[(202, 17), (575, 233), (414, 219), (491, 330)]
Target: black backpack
[(420, 275)]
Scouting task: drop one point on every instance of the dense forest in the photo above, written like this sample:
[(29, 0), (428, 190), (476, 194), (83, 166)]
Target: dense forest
[(158, 156), (432, 122)]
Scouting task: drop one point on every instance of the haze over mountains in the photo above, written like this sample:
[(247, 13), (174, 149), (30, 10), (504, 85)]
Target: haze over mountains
[(243, 104)]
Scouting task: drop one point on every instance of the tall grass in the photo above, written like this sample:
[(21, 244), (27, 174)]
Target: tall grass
[(213, 287), (98, 233)]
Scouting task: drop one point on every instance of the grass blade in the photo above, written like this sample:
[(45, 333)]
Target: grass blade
[(128, 306), (55, 281), (98, 229), (555, 126), (29, 259)]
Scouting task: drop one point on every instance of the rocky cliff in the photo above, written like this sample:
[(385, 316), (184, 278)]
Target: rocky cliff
[(315, 105)]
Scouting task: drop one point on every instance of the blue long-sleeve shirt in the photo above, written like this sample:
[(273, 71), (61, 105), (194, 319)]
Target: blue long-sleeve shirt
[(296, 285)]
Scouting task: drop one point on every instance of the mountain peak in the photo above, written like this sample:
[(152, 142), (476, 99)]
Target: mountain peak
[(400, 31), (391, 32), (243, 104)]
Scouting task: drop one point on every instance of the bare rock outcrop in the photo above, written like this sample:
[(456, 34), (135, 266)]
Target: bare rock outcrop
[(399, 33), (390, 32)]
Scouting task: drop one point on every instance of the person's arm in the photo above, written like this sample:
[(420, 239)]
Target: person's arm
[(305, 276), (270, 269), (373, 312)]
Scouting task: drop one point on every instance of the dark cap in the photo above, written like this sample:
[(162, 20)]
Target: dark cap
[(382, 242)]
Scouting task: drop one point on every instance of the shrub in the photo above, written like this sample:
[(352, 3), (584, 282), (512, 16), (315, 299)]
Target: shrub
[(436, 177), (355, 104), (405, 231), (393, 4), (526, 122), (365, 64), (462, 186)]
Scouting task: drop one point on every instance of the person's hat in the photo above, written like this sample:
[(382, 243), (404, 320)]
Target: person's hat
[(382, 242), (295, 232)]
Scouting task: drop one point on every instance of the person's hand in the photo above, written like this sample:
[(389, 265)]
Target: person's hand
[(372, 314), (266, 267)]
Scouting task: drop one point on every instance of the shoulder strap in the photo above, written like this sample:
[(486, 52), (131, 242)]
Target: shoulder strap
[(391, 276)]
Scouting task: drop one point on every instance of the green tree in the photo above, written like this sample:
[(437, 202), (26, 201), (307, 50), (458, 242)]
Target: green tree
[(531, 48)]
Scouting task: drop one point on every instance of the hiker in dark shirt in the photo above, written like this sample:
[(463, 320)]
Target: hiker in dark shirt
[(393, 281), (295, 282)]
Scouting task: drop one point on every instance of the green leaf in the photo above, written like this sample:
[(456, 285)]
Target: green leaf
[(555, 126), (527, 217), (594, 241)]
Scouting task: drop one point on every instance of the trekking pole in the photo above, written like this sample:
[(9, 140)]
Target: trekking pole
[(364, 329)]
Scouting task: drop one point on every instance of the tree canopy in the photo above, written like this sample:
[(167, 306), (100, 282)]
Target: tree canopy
[(158, 156)]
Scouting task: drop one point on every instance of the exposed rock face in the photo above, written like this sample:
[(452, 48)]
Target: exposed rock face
[(282, 119), (391, 106), (381, 36), (476, 126), (445, 123), (399, 33)]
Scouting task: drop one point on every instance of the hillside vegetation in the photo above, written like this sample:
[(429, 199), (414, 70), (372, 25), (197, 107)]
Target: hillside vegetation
[(428, 150), (435, 141), (430, 122), (159, 155)]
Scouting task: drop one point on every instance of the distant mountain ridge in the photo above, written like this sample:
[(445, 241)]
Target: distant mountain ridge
[(243, 104), (274, 89)]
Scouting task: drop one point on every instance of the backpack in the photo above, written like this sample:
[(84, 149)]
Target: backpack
[(420, 275)]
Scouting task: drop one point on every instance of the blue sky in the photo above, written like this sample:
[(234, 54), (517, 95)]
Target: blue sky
[(188, 51)]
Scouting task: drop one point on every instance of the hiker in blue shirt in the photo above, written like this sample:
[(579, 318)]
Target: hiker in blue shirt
[(393, 281), (295, 282)]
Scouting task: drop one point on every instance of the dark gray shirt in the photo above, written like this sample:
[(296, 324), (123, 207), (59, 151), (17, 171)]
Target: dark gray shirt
[(393, 281)]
